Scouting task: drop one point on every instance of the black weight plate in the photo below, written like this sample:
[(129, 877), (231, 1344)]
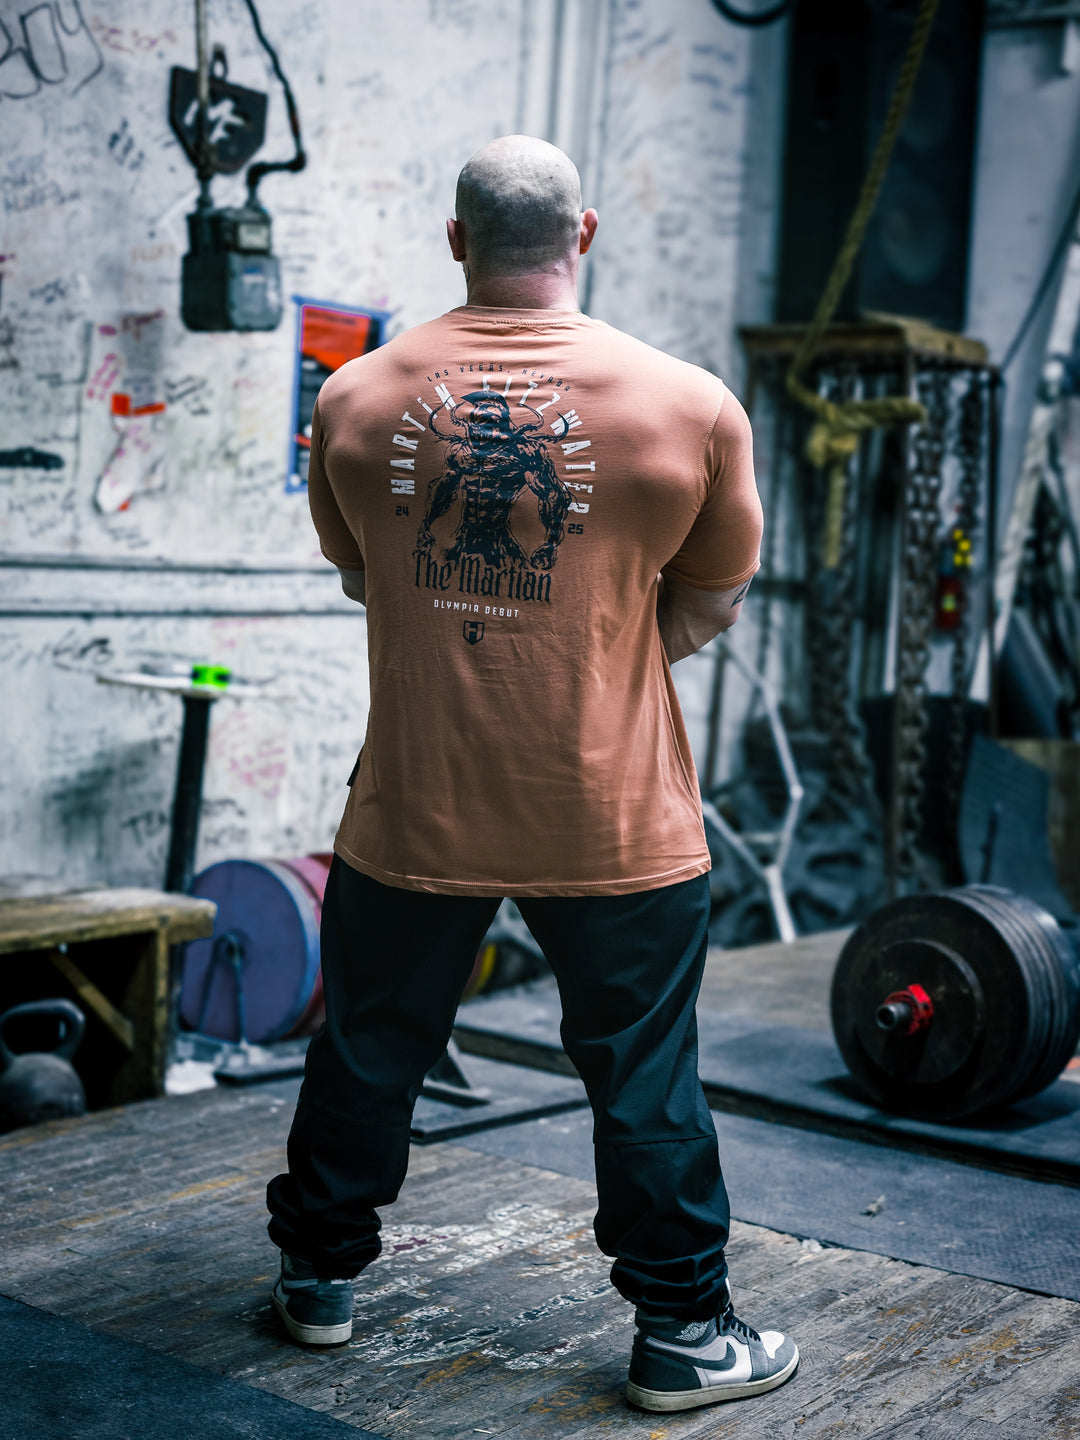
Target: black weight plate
[(1062, 971), (1038, 968), (967, 1059), (1063, 1044)]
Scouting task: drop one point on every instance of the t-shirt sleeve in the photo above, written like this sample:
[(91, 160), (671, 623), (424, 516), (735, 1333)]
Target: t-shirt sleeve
[(722, 548), (336, 540)]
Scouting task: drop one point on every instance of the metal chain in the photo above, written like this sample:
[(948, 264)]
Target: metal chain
[(918, 582), (850, 763), (818, 617), (834, 633), (970, 441)]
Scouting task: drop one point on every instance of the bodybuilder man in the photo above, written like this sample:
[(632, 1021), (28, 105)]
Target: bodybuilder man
[(541, 515)]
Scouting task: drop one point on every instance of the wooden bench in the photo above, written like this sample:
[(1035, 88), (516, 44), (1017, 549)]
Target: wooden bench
[(108, 951)]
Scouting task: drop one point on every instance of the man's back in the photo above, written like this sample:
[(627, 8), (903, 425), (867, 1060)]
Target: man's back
[(512, 483)]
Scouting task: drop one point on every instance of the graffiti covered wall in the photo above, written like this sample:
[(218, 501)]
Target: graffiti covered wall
[(155, 530)]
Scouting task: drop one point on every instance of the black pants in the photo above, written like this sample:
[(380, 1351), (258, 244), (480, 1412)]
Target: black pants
[(628, 967)]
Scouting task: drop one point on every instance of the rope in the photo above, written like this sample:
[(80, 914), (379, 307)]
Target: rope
[(834, 438)]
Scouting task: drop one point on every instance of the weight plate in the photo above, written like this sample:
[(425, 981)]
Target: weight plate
[(269, 915), (1044, 942), (990, 1028), (1062, 1044), (1036, 968)]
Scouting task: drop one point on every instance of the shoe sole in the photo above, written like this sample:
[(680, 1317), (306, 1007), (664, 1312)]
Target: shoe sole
[(707, 1394), (312, 1334)]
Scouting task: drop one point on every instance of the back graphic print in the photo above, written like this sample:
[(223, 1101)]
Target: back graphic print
[(491, 461), (528, 497)]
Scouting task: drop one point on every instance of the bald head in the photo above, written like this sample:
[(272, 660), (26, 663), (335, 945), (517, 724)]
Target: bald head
[(519, 200)]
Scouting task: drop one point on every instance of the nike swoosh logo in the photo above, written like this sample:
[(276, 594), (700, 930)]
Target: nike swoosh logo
[(725, 1362)]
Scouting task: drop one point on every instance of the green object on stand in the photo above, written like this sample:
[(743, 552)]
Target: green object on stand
[(217, 676)]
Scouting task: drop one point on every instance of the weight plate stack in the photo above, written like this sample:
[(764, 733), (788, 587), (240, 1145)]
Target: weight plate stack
[(949, 1004)]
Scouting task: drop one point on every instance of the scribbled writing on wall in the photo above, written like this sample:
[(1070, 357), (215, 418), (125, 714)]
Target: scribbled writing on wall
[(46, 50), (124, 149), (25, 185), (50, 292), (147, 827), (131, 40), (190, 392), (150, 254)]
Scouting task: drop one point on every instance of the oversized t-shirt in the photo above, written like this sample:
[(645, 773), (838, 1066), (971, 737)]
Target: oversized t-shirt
[(513, 483)]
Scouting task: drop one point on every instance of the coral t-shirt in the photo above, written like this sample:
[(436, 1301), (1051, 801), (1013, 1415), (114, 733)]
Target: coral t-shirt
[(513, 483)]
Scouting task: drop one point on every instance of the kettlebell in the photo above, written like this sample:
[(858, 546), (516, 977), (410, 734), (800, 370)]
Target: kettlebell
[(42, 1085)]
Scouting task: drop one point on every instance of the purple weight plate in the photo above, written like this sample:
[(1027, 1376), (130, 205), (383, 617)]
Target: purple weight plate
[(273, 917)]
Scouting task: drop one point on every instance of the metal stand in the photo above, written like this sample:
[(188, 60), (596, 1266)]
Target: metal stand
[(187, 797), (191, 762), (446, 1080), (767, 853)]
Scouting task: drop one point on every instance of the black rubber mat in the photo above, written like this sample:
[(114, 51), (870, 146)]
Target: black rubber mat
[(789, 1074), (923, 1209), (61, 1381), (505, 1095)]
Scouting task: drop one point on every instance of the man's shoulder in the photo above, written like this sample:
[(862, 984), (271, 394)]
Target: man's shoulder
[(613, 355), (649, 364)]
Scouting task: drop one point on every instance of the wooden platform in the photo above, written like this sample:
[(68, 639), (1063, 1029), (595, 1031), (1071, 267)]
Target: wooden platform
[(108, 951), (490, 1312)]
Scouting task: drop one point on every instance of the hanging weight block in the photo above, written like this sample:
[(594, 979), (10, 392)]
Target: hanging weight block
[(948, 1004), (257, 977)]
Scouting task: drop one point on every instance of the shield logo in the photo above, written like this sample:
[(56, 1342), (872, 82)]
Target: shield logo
[(473, 630)]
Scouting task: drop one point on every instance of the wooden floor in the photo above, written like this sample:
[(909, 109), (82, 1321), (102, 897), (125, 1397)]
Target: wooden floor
[(490, 1312)]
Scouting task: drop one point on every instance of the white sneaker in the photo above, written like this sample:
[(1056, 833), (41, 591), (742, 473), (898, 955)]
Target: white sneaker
[(678, 1364)]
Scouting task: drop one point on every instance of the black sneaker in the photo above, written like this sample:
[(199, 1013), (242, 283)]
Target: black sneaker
[(316, 1312), (677, 1364)]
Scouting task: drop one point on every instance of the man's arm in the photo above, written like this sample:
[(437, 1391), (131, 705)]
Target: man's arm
[(354, 583), (336, 540), (704, 585), (689, 618)]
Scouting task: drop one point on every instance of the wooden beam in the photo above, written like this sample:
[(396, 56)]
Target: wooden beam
[(884, 336), (146, 1003), (94, 998)]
